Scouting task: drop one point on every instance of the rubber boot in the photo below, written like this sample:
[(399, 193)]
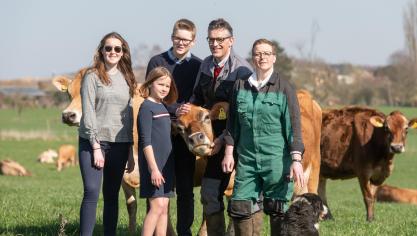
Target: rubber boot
[(275, 222), (215, 224), (248, 226), (258, 222)]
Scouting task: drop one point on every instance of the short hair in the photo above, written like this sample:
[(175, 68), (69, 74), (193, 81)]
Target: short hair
[(264, 41), (155, 74), (220, 24), (184, 24)]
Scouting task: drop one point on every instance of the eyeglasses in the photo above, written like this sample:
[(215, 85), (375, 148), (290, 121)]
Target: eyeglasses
[(263, 54), (218, 40), (117, 49), (178, 40)]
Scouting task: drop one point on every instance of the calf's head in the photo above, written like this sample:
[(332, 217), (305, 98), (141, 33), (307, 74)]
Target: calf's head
[(195, 127), (72, 114), (395, 127)]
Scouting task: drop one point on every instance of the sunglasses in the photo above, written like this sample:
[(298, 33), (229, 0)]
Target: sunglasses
[(117, 49)]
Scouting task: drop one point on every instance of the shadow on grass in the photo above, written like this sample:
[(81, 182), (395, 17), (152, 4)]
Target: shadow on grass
[(70, 230)]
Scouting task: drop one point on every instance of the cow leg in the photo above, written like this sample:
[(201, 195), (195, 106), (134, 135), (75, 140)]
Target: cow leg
[(323, 196), (59, 165), (368, 192), (170, 229), (312, 179), (131, 205)]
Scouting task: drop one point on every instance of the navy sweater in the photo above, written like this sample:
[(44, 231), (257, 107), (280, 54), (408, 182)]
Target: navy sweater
[(184, 74)]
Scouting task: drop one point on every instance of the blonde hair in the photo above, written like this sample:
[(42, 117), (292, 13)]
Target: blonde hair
[(155, 74), (184, 24)]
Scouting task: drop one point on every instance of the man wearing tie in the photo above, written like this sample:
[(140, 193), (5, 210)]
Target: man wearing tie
[(215, 81)]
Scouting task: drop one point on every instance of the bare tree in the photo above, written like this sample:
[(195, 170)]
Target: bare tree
[(142, 53), (410, 29), (410, 33)]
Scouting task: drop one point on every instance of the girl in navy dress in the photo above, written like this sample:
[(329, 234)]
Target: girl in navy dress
[(155, 165)]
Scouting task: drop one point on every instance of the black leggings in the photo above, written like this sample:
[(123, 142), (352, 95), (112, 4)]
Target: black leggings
[(115, 155)]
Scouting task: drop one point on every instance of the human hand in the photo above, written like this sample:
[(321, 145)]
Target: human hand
[(183, 109), (98, 158), (296, 172), (228, 163), (157, 178)]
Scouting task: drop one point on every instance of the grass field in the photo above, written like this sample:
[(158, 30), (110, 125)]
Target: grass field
[(32, 205)]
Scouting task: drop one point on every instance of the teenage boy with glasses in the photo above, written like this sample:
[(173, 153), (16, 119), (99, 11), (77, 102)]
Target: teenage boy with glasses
[(215, 80), (184, 67)]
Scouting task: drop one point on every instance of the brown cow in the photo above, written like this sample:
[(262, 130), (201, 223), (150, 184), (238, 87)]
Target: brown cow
[(13, 168), (387, 193), (196, 130), (361, 142), (66, 156)]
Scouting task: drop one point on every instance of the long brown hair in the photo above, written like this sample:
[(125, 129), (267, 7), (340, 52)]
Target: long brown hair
[(124, 65), (155, 74)]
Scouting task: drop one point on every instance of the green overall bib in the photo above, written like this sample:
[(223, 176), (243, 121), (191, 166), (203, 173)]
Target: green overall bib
[(264, 130)]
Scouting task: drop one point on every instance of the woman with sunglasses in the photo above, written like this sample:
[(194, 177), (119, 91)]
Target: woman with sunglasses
[(105, 133)]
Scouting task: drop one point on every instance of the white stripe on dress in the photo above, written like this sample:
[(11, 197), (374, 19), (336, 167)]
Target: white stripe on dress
[(160, 115)]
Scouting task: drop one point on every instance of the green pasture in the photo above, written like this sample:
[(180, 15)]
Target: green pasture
[(32, 205)]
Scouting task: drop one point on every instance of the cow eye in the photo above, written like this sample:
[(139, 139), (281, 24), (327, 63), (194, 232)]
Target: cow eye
[(180, 128), (207, 118)]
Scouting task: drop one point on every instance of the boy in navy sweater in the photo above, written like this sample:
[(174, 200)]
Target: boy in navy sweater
[(184, 67)]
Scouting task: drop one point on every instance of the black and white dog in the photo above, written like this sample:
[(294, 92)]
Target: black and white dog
[(302, 218)]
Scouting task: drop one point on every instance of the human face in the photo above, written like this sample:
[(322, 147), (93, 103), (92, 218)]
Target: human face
[(220, 43), (112, 57), (182, 41), (160, 88), (263, 57)]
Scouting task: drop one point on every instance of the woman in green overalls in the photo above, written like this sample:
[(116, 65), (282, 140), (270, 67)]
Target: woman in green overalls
[(264, 126)]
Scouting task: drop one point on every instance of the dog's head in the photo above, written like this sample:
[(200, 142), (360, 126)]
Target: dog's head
[(313, 200)]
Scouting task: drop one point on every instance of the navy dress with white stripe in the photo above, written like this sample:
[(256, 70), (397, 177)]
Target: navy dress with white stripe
[(154, 128)]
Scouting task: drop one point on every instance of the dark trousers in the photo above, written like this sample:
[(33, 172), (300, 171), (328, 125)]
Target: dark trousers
[(115, 156), (184, 176), (215, 181)]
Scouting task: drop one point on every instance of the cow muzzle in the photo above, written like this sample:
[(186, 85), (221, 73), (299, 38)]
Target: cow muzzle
[(199, 144), (397, 148), (70, 118)]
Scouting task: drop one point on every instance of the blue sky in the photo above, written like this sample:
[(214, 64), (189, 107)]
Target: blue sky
[(45, 37)]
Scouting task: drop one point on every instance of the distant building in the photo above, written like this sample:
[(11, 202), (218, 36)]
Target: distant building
[(24, 91)]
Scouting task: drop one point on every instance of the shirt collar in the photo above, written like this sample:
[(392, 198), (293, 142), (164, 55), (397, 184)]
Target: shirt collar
[(222, 62), (175, 59), (253, 80)]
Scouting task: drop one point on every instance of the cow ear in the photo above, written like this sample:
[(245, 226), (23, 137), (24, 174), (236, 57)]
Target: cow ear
[(61, 83), (219, 111), (363, 127), (377, 121), (413, 123)]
